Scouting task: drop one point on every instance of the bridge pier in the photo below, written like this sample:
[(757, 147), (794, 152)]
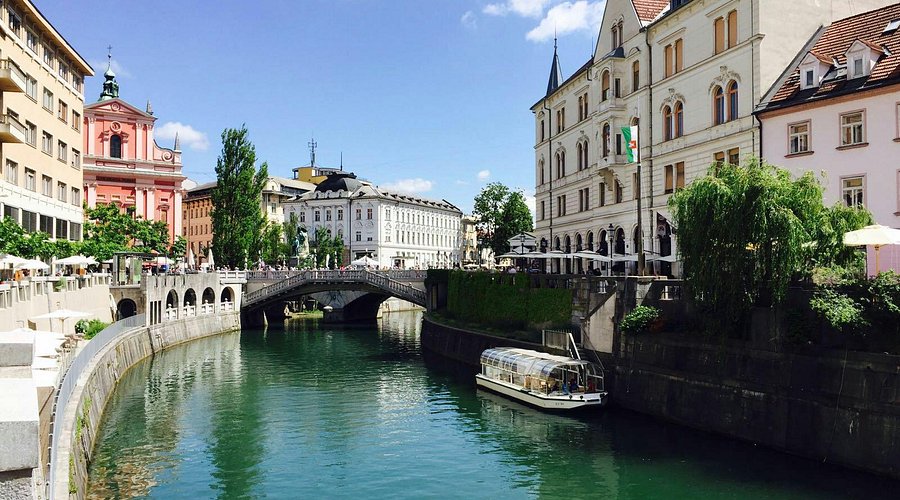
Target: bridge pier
[(254, 318)]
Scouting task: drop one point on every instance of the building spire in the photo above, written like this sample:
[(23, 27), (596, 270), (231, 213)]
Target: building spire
[(312, 152), (149, 107), (177, 143), (110, 86), (555, 73)]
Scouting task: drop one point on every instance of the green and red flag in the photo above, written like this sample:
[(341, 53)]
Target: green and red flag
[(631, 143)]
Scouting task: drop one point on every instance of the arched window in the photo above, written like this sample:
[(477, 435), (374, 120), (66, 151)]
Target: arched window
[(115, 146), (541, 167), (578, 243), (559, 165), (604, 86), (621, 33), (635, 76), (590, 240), (562, 158), (606, 139), (718, 106), (732, 100), (578, 152), (667, 123), (584, 153), (732, 28), (679, 119)]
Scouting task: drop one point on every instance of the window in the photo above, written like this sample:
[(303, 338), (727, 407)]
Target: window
[(669, 185), (635, 76), (635, 186), (327, 215), (77, 82), (618, 144), (798, 138), (718, 106), (115, 146), (584, 104), (560, 164), (858, 67), (542, 130), (579, 151), (46, 186), (368, 214), (62, 229), (317, 216), (679, 55), (667, 123), (76, 120), (732, 28), (810, 75), (669, 61), (48, 100), (852, 130), (601, 191), (63, 72), (679, 119), (584, 199), (15, 22), (734, 156), (719, 29), (76, 159), (76, 196), (580, 108), (303, 216), (340, 214), (30, 180), (49, 59), (560, 205), (358, 236), (75, 231), (604, 86), (12, 172), (541, 169), (31, 87), (358, 214), (62, 193), (853, 191), (29, 221), (733, 100), (47, 143), (679, 175), (619, 192), (31, 40), (617, 87), (62, 151), (543, 210), (31, 133), (46, 224)]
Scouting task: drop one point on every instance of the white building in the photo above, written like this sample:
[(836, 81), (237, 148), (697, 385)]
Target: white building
[(397, 230), (836, 110), (688, 74)]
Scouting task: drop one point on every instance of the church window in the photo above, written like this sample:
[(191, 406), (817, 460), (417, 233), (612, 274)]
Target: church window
[(115, 146)]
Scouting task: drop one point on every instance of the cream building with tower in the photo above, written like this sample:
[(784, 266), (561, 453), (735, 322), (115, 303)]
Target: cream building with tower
[(688, 74), (42, 83)]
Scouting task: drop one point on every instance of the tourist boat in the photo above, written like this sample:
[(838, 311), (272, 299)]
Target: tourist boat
[(543, 380)]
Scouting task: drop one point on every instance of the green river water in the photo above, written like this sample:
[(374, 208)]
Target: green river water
[(324, 411)]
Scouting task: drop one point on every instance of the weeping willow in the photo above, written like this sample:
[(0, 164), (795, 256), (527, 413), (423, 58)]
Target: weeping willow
[(744, 232)]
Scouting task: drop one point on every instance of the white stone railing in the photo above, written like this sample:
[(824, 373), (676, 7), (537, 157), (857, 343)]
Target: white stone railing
[(381, 280)]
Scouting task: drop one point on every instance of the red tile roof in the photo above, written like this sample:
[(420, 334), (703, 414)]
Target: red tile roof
[(868, 28), (647, 10)]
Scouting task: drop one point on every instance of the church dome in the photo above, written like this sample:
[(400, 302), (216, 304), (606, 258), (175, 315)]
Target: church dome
[(339, 182)]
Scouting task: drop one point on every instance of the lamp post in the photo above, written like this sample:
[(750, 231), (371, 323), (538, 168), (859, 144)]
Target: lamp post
[(610, 230)]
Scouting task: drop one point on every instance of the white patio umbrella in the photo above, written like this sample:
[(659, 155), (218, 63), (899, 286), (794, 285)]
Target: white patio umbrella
[(209, 259), (559, 254), (190, 259), (8, 260), (365, 260), (875, 235), (76, 260), (33, 264), (593, 256), (63, 315)]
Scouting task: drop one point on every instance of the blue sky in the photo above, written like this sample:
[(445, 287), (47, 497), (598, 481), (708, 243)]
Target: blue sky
[(429, 96)]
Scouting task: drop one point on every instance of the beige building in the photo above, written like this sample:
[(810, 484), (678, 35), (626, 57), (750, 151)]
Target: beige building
[(42, 83), (688, 74)]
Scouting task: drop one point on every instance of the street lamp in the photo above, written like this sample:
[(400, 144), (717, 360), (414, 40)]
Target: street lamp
[(611, 252)]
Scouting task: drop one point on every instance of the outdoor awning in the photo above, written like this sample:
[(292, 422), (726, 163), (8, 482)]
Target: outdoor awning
[(592, 256), (528, 362)]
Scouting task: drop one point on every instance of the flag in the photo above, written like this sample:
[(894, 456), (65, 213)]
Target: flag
[(631, 143)]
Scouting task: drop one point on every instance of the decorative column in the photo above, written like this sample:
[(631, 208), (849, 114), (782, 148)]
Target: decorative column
[(139, 201), (90, 190), (151, 204), (138, 141), (91, 135), (177, 213)]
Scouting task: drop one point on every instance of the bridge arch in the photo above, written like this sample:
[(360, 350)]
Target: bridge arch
[(126, 308), (190, 297), (209, 296), (227, 294), (172, 299)]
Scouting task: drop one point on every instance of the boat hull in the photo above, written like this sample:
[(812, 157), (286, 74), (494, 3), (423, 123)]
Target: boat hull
[(543, 401)]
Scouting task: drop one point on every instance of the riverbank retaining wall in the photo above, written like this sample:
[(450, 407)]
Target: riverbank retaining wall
[(81, 418)]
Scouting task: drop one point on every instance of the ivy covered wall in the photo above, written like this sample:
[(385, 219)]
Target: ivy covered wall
[(506, 300)]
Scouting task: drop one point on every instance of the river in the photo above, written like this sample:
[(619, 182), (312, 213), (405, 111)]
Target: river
[(325, 411)]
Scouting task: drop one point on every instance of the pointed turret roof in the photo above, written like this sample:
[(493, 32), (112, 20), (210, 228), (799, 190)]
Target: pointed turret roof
[(555, 73), (110, 86)]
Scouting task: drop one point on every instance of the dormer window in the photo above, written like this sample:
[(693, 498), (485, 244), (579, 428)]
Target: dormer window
[(857, 67), (812, 68)]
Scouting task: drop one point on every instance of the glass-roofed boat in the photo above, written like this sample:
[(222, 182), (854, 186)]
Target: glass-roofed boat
[(544, 380)]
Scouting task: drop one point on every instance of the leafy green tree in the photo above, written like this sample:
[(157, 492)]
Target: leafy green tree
[(290, 233), (179, 247), (272, 244), (111, 229), (745, 231), (237, 219), (11, 235), (329, 249), (502, 214)]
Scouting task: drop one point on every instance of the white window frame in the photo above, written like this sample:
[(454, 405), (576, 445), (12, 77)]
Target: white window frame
[(792, 134), (850, 126), (12, 172), (853, 190), (30, 179)]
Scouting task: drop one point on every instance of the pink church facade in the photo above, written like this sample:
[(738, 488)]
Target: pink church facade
[(123, 163)]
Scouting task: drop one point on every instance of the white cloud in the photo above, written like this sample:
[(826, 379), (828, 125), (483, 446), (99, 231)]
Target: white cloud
[(409, 186), (459, 182), (484, 175), (532, 204), (524, 8), (469, 20), (568, 17), (187, 136), (99, 66)]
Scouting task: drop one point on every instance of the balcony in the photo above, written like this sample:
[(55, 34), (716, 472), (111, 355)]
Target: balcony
[(12, 79), (11, 130)]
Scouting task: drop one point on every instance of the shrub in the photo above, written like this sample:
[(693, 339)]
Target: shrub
[(90, 328), (839, 309), (638, 319)]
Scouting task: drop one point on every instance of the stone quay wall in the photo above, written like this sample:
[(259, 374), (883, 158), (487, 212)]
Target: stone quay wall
[(81, 418)]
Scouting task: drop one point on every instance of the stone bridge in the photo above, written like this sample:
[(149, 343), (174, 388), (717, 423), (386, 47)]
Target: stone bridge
[(351, 294)]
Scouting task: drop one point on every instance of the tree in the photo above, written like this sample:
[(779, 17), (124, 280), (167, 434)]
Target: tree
[(329, 250), (237, 219), (502, 214), (745, 231), (272, 249), (111, 229), (179, 247)]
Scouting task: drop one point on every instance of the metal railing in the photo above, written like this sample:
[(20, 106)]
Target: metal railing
[(70, 381), (379, 280)]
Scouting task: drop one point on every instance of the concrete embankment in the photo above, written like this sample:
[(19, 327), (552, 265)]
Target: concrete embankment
[(80, 419), (837, 406)]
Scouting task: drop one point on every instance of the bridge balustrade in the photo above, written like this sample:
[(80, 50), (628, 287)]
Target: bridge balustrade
[(189, 311), (383, 280), (171, 313)]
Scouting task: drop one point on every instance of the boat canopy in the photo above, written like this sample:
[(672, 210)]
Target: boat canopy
[(528, 362)]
